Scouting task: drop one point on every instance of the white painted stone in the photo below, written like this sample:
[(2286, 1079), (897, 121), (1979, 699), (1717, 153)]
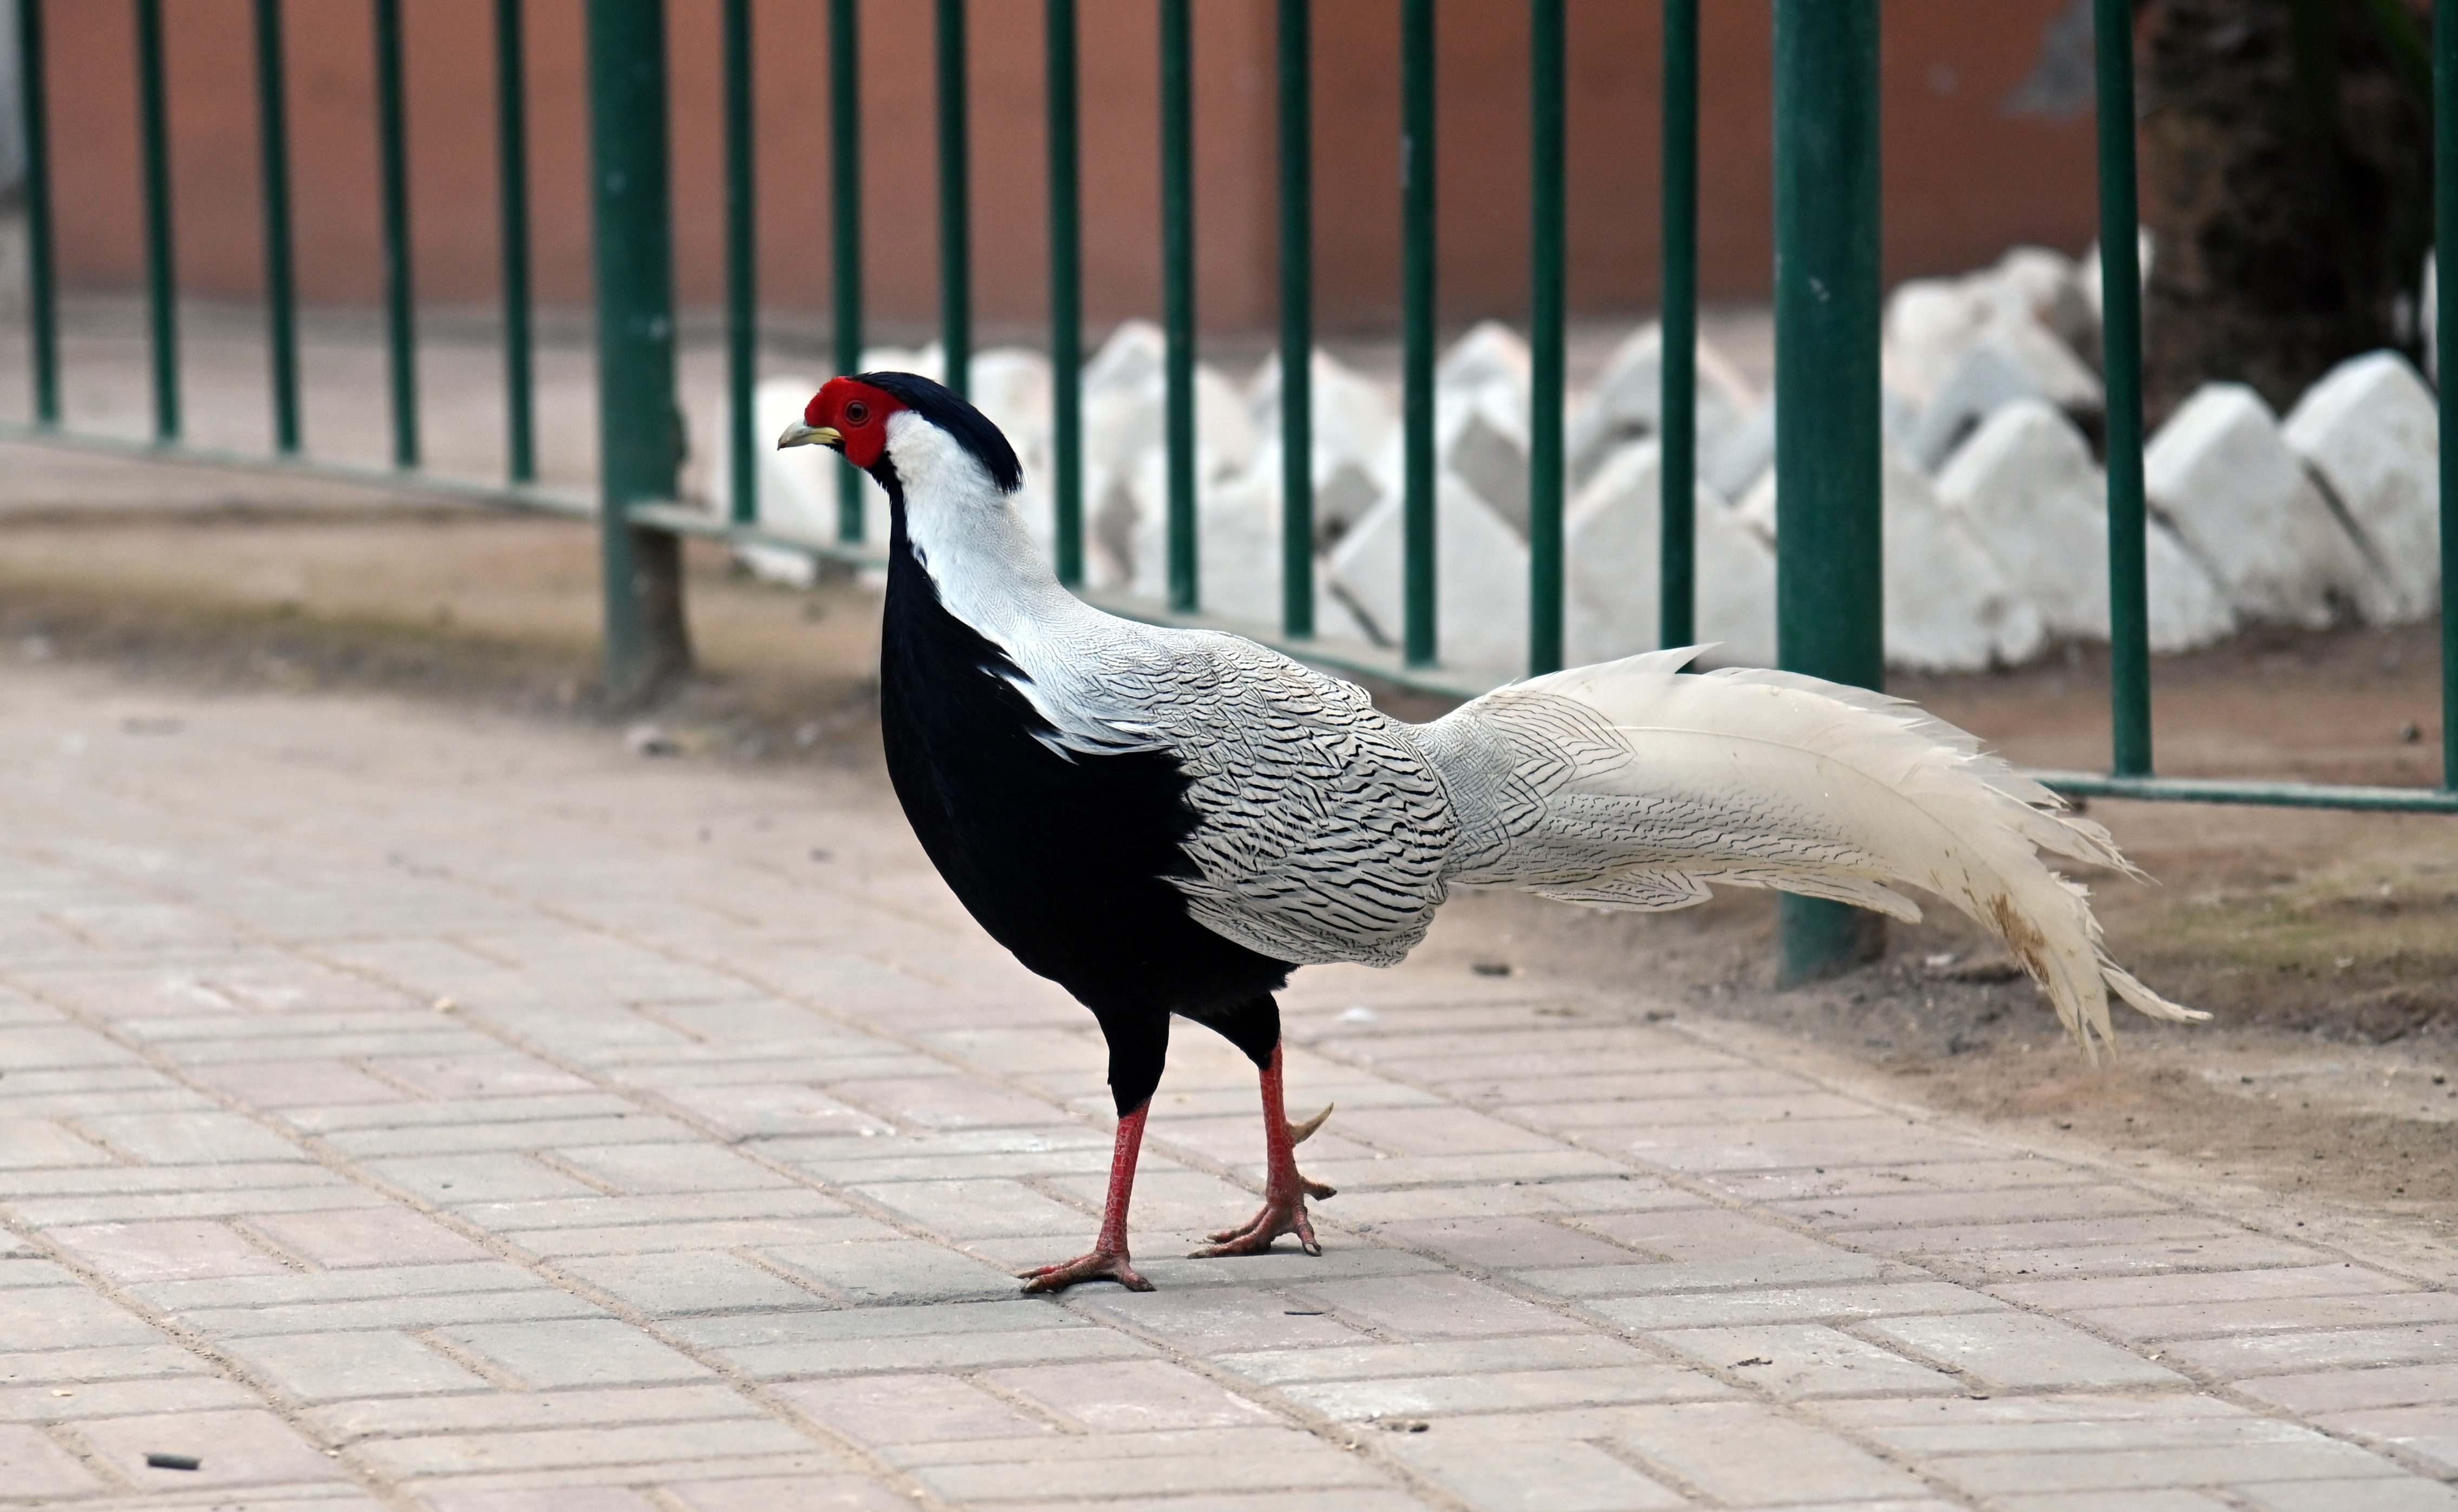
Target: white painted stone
[(2087, 270), (2427, 316), (1955, 348), (1481, 577), (1734, 464), (2027, 487), (1238, 562), (1125, 497), (2221, 474), (1355, 420), (2371, 429), (1613, 535), (1627, 402), (2013, 358), (1950, 605)]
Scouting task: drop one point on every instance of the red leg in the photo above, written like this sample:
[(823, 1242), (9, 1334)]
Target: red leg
[(1285, 1190), (1107, 1261)]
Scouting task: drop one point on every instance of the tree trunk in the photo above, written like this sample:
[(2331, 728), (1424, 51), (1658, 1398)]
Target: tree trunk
[(2286, 172)]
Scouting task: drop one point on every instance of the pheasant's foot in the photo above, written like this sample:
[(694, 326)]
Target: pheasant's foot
[(1279, 1215), (1100, 1265)]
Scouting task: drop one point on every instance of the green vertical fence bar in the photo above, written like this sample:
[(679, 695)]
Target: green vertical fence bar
[(741, 266), (2444, 337), (955, 203), (1178, 297), (513, 233), (845, 229), (1829, 584), (1545, 275), (1677, 592), (1296, 317), (1417, 585), (392, 155), (1066, 293), (2120, 298), (281, 287), (42, 293), (162, 283), (640, 439)]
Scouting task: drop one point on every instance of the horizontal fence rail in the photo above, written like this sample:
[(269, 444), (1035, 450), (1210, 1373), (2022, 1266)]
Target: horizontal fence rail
[(639, 506)]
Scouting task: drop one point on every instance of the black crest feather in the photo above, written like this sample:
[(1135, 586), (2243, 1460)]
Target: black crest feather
[(937, 403)]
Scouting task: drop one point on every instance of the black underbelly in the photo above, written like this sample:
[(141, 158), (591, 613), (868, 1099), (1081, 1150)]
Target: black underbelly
[(1063, 859)]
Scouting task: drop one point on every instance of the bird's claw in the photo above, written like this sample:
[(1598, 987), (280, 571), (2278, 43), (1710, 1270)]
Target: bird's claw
[(1298, 1132), (1279, 1216), (1097, 1266)]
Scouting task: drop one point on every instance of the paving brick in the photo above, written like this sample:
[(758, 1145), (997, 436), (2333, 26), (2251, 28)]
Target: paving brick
[(1303, 1464), (1505, 1243), (766, 1110), (1466, 1357), (51, 1213), (2270, 1314), (2266, 1353), (1222, 1320), (27, 1142), (1624, 1192), (28, 1050), (788, 1494), (1749, 1456), (1812, 1268), (189, 1139), (458, 1136), (2021, 1351), (28, 1366), (687, 1281), (899, 1271), (362, 1284), (32, 1465), (351, 1237), (972, 1210), (908, 1409), (2267, 1284), (490, 1411), (2429, 1433), (1126, 1397), (682, 1207), (1844, 1213), (328, 1367), (946, 1337), (723, 1233), (2337, 1495), (539, 1303), (161, 1251), (593, 1448), (405, 1114), (453, 1181), (307, 1082), (1575, 1478), (2345, 1390), (1505, 1391), (551, 1354), (1438, 1131), (2132, 1469), (479, 1073), (1807, 1304), (2170, 1501), (542, 1499), (1434, 1306), (948, 1102), (246, 1447), (192, 1392), (2228, 1251), (1802, 1360), (1487, 1169), (647, 1169), (40, 1317)]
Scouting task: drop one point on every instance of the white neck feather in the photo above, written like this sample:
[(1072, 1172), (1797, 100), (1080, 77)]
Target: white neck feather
[(968, 537)]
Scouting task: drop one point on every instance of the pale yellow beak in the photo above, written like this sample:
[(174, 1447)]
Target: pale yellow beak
[(798, 434)]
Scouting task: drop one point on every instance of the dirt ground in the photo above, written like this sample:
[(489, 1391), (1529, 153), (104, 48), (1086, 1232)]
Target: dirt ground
[(2324, 944)]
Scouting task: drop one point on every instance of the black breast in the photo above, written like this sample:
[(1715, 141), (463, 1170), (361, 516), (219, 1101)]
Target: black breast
[(1062, 857)]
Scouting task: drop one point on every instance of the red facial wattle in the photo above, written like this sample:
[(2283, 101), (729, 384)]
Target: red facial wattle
[(858, 413)]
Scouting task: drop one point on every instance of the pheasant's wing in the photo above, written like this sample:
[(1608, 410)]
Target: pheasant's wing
[(1320, 830)]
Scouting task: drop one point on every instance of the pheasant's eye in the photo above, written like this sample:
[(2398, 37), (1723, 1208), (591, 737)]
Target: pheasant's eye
[(856, 413)]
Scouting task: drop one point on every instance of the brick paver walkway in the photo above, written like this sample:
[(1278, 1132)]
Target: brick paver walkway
[(406, 1110)]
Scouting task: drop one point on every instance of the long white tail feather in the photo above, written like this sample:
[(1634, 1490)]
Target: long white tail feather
[(1627, 786)]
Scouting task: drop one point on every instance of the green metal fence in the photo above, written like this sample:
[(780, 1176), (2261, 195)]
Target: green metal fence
[(1828, 302)]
